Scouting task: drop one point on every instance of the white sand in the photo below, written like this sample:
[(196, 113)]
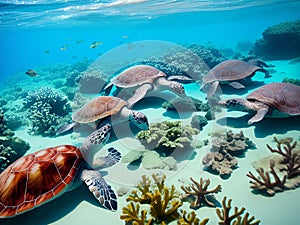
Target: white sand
[(79, 207)]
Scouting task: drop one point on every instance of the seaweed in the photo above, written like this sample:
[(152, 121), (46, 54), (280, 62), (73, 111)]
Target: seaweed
[(200, 193), (236, 218)]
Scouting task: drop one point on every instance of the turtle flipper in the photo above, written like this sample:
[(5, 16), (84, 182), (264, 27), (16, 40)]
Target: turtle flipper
[(66, 127), (258, 116), (213, 88), (139, 94), (100, 136), (112, 158), (100, 189), (236, 85)]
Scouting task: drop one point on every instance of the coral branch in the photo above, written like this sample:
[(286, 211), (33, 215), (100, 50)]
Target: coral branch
[(131, 214), (264, 183), (226, 219), (200, 193), (191, 219)]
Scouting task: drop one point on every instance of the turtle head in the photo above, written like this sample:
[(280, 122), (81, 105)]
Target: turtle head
[(177, 88), (235, 104), (139, 119)]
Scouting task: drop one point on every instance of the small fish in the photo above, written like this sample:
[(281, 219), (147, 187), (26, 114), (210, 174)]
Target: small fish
[(95, 44), (31, 73), (47, 51), (79, 42), (124, 36), (63, 48)]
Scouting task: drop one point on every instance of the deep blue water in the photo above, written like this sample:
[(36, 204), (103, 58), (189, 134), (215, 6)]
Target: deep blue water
[(28, 30)]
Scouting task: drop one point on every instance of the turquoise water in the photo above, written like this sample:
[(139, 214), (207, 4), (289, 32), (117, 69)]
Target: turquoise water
[(60, 38)]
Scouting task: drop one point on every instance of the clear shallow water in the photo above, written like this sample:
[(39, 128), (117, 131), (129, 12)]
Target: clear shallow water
[(42, 34)]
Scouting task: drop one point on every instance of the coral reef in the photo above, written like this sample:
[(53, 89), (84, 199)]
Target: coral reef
[(286, 165), (236, 218), (291, 80), (11, 147), (46, 110), (280, 41), (91, 82), (225, 146), (198, 191), (167, 135), (209, 54), (163, 203)]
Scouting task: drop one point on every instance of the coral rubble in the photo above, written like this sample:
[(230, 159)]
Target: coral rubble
[(236, 218), (285, 169), (198, 190)]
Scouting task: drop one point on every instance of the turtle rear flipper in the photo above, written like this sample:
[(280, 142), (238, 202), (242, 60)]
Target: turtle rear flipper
[(100, 189), (64, 128)]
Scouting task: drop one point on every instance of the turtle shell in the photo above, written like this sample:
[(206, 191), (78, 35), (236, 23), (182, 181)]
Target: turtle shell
[(283, 96), (137, 75), (37, 178), (230, 70), (98, 108)]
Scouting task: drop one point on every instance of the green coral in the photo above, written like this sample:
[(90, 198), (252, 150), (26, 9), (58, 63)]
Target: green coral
[(167, 135), (291, 80)]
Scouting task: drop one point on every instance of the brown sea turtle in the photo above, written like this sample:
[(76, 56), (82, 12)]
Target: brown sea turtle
[(40, 177), (103, 108), (137, 81), (229, 71), (276, 100)]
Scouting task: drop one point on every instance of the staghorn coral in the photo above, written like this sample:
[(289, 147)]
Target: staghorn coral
[(190, 219), (264, 183), (289, 158), (46, 109), (167, 135), (131, 215), (200, 193), (284, 167), (236, 218)]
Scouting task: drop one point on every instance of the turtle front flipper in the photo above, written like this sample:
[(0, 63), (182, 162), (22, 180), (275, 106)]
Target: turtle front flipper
[(112, 158), (139, 94), (258, 116), (236, 85), (100, 189), (66, 127), (213, 88)]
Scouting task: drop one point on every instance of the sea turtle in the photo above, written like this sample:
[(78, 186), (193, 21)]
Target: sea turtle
[(40, 177), (138, 80), (277, 100), (230, 71), (102, 109)]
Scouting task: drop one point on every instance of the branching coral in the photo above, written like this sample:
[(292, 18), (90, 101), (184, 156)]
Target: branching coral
[(289, 158), (167, 135), (264, 182), (190, 219), (236, 218), (131, 215), (163, 204), (200, 193)]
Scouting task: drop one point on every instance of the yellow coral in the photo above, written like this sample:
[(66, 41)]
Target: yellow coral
[(190, 219), (131, 214)]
